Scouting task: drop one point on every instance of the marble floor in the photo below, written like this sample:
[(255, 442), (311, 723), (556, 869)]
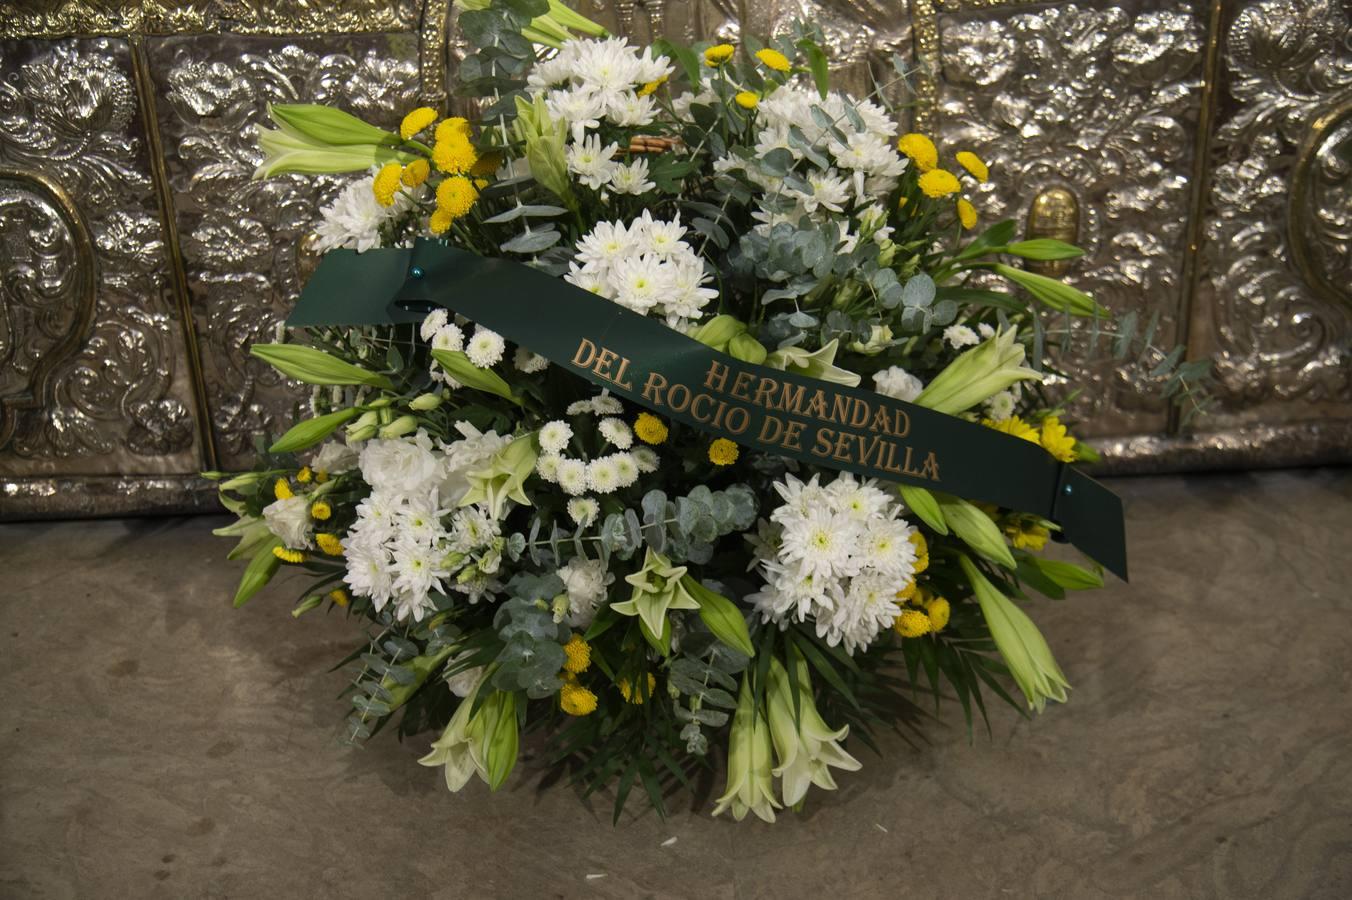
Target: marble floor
[(156, 743)]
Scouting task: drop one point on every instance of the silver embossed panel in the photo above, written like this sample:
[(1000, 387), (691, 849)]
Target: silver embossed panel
[(96, 378), (1100, 102), (243, 240)]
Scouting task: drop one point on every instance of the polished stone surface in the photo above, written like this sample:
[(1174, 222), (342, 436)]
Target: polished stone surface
[(156, 743)]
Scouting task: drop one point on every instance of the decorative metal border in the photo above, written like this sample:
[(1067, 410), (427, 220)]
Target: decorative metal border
[(104, 496), (81, 18)]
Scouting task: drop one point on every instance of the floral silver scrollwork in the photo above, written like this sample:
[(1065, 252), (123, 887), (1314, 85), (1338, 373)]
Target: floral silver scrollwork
[(1279, 220), (239, 236), (1100, 103), (118, 399)]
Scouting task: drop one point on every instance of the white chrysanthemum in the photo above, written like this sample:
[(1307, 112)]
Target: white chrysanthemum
[(369, 571), (605, 244), (418, 569), (434, 321), (959, 336), (897, 383), (585, 581), (886, 547), (448, 337), (572, 476), (858, 500), (626, 467), (354, 219), (985, 330), (640, 282), (583, 510), (616, 432), (1001, 406), (485, 349), (593, 163), (289, 519), (579, 107), (828, 191), (664, 239), (555, 435), (819, 543), (631, 178), (547, 467), (419, 520), (473, 528), (529, 362), (601, 405), (629, 110), (868, 608), (603, 476), (645, 458), (403, 467)]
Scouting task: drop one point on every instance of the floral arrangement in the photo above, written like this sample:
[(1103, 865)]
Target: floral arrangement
[(523, 550)]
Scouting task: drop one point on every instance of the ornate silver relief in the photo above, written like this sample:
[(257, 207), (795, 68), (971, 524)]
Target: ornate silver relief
[(1277, 260), (242, 239), (1099, 105), (94, 383)]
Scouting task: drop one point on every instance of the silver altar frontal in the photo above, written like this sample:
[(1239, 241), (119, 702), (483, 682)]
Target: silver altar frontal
[(1200, 151)]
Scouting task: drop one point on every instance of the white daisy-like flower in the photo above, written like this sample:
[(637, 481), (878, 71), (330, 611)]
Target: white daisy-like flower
[(603, 475), (354, 219), (434, 321), (868, 608), (448, 337), (555, 435), (645, 458), (985, 330), (819, 543), (631, 178), (547, 466), (572, 476), (1001, 406), (959, 336), (585, 581), (486, 348), (583, 510), (601, 405), (593, 163), (626, 467), (640, 282), (529, 362), (616, 432)]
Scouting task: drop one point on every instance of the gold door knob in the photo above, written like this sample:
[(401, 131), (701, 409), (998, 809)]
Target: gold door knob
[(1055, 213)]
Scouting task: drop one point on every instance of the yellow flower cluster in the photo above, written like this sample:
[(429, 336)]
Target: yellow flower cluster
[(281, 490), (330, 544), (937, 183), (320, 510), (1027, 535), (339, 597), (1013, 425), (416, 121), (650, 429), (386, 183), (930, 617), (773, 59), (651, 86), (723, 452), (576, 700), (304, 475), (287, 555), (578, 652), (456, 196), (747, 99), (718, 54)]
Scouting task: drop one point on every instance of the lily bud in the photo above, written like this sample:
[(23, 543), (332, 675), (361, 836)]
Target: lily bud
[(747, 349), (400, 427), (544, 137), (425, 402), (977, 375), (751, 786), (286, 153), (327, 125), (718, 331)]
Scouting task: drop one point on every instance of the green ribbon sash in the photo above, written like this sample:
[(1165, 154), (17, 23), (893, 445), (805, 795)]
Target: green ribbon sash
[(641, 359)]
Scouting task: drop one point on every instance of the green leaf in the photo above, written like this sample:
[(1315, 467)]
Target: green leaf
[(458, 366), (311, 431), (1069, 575), (980, 297), (818, 64), (1033, 576), (922, 503), (315, 366), (721, 615), (1044, 248), (259, 572), (683, 55)]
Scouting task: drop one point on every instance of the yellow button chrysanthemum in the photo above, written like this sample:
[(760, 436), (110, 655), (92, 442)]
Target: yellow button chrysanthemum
[(288, 556), (650, 429), (907, 592), (723, 452), (920, 149), (921, 551), (747, 99), (456, 196), (912, 623), (439, 221), (453, 125), (454, 154), (973, 164), (773, 59), (939, 612), (320, 510), (576, 700), (304, 475), (1056, 441), (416, 121), (339, 597), (386, 183), (651, 86), (718, 54), (415, 173), (939, 183), (1028, 536), (966, 213), (330, 544), (578, 652), (281, 490)]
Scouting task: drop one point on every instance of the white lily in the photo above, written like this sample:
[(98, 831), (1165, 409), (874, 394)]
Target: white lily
[(977, 375), (817, 364), (751, 786), (482, 741), (806, 746)]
